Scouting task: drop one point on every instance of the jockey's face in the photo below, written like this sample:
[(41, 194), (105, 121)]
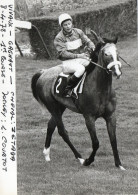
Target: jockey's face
[(67, 26)]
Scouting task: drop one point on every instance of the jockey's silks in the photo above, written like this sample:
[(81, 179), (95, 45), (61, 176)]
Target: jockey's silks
[(68, 46)]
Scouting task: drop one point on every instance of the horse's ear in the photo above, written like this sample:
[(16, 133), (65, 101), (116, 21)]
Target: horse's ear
[(106, 40), (98, 38), (115, 40)]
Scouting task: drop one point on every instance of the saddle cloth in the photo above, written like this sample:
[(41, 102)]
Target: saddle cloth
[(61, 83)]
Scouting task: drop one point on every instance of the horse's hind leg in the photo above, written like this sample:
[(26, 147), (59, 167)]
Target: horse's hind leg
[(90, 123), (50, 130)]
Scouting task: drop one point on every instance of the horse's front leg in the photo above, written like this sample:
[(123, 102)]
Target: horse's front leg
[(90, 123), (111, 127)]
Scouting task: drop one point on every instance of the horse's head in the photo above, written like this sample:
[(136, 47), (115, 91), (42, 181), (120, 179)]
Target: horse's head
[(110, 60), (108, 56)]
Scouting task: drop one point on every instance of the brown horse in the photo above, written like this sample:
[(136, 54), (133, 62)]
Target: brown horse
[(97, 100)]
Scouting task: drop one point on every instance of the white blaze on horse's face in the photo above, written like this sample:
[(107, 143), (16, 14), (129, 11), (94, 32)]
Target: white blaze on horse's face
[(110, 52)]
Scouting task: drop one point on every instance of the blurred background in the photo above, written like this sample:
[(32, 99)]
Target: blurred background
[(25, 9)]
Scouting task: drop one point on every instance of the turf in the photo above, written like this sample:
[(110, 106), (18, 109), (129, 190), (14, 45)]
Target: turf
[(64, 175)]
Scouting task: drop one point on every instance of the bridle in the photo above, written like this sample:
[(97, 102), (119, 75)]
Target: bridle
[(99, 39), (109, 66)]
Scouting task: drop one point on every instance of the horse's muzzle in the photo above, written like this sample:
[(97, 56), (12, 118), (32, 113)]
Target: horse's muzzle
[(115, 67), (117, 71)]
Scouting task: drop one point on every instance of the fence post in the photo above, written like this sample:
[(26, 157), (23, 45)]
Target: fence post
[(29, 25)]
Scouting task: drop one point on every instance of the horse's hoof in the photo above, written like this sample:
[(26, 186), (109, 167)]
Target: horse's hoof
[(122, 168), (47, 158), (46, 153), (81, 161), (86, 162)]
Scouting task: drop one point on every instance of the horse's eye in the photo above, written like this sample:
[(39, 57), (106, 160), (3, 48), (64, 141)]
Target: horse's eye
[(105, 54)]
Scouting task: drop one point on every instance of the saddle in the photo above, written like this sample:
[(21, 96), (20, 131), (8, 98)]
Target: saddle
[(61, 83)]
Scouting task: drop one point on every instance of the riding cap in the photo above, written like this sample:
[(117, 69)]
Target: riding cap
[(64, 17)]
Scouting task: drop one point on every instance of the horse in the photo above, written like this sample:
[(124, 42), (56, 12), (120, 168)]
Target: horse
[(97, 100)]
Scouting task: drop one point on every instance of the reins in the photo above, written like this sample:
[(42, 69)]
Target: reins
[(124, 61), (107, 71), (98, 65)]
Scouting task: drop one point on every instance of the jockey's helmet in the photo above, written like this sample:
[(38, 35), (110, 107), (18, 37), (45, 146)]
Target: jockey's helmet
[(64, 17)]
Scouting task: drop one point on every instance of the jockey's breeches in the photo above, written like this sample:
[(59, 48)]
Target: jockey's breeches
[(76, 66)]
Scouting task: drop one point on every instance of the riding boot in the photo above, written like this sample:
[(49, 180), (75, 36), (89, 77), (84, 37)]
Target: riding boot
[(73, 80)]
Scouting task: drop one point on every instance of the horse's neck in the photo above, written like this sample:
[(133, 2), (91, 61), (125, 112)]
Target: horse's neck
[(101, 79)]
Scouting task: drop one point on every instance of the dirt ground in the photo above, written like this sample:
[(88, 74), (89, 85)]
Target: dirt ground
[(64, 175)]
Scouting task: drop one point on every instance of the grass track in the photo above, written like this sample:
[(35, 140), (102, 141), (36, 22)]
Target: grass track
[(64, 175)]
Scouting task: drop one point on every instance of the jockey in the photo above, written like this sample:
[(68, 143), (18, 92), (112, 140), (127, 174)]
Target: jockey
[(70, 43)]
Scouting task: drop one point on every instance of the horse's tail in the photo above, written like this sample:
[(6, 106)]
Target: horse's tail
[(34, 82)]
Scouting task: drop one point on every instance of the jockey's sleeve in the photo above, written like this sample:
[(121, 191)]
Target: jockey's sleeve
[(62, 50), (86, 40)]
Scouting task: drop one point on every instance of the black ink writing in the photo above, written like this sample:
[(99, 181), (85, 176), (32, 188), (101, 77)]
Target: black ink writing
[(4, 103), (3, 6), (7, 92), (13, 129), (3, 128), (10, 55), (13, 148), (2, 25), (12, 112), (3, 47), (4, 156), (11, 80), (3, 75), (2, 17), (10, 22)]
